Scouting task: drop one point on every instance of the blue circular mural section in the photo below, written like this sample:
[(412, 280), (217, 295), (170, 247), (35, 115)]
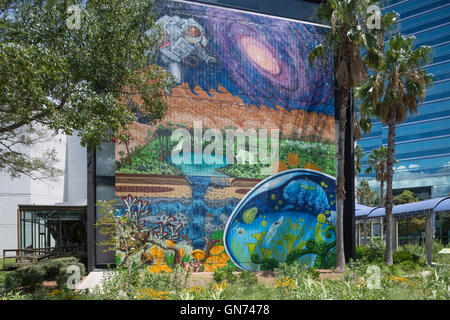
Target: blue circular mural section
[(288, 217)]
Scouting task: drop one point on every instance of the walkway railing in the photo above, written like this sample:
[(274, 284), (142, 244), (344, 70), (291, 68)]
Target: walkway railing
[(29, 256)]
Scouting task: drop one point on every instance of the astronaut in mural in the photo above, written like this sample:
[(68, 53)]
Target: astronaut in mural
[(183, 38)]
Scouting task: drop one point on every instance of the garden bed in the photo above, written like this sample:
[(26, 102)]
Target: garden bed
[(268, 278)]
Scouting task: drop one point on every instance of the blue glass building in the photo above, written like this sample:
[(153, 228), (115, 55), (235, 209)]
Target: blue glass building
[(423, 140)]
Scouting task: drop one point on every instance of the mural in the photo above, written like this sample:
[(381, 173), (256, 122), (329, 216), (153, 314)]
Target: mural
[(246, 105)]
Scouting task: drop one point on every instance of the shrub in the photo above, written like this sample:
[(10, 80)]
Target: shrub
[(248, 278), (26, 277), (437, 285), (30, 277), (224, 274), (63, 275), (419, 250), (396, 270), (405, 256), (361, 252), (116, 283), (296, 271), (53, 266), (375, 251)]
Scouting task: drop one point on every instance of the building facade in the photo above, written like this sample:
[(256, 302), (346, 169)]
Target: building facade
[(24, 190), (422, 141), (17, 229)]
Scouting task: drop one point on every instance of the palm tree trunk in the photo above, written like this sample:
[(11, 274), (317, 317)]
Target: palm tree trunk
[(389, 204), (340, 187), (381, 193)]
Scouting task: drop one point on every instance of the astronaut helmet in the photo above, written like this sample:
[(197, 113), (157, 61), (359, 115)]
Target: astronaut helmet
[(193, 32)]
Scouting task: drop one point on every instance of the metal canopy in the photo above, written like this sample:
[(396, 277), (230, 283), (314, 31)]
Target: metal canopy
[(443, 206), (377, 212), (361, 210), (417, 208), (437, 205)]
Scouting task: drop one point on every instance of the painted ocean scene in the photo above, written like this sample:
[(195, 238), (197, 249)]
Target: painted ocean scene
[(285, 218)]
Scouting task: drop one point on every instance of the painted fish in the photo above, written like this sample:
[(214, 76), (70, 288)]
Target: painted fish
[(273, 229), (249, 215), (287, 208)]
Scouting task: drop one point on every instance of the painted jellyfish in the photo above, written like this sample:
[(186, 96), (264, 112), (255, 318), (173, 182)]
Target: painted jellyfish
[(306, 193), (285, 218)]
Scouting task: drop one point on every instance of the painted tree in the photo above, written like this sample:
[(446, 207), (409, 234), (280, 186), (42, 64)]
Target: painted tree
[(352, 30), (391, 93), (60, 76)]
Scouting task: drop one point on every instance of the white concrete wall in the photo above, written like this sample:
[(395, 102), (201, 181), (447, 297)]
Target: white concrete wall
[(24, 190), (75, 178), (12, 192)]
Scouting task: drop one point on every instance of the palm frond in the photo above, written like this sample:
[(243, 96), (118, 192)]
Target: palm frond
[(318, 52)]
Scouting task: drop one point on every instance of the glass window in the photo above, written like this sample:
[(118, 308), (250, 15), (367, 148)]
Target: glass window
[(50, 228), (105, 160)]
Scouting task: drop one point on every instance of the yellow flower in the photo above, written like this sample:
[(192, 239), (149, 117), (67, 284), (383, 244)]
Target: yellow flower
[(220, 286), (182, 253), (198, 254), (361, 282), (196, 289), (225, 257), (154, 251), (170, 243), (160, 254), (159, 267), (286, 283), (54, 293), (404, 281), (217, 250), (152, 294)]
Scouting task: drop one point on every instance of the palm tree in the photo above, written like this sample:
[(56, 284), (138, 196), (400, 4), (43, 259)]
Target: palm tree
[(359, 153), (348, 35), (377, 163), (392, 92)]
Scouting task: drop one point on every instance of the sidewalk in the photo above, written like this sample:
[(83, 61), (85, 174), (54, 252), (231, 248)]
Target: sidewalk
[(92, 280)]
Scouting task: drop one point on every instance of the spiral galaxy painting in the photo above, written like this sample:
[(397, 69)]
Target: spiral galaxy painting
[(261, 59)]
